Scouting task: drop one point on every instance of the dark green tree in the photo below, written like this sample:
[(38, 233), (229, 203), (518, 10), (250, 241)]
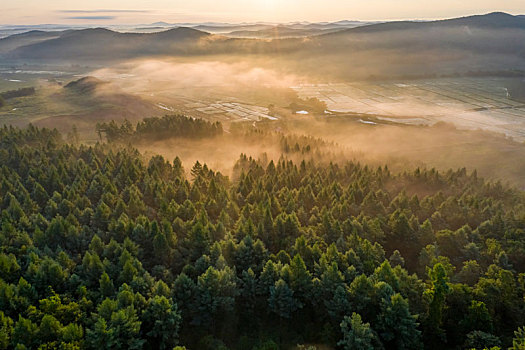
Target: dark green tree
[(356, 334), (161, 321)]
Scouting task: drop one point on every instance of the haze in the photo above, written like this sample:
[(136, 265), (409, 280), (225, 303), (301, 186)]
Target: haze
[(262, 175), (139, 11)]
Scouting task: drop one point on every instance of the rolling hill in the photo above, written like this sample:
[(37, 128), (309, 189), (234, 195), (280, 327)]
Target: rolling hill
[(488, 33), (99, 43), (32, 37), (82, 102), (494, 20), (482, 43), (280, 32)]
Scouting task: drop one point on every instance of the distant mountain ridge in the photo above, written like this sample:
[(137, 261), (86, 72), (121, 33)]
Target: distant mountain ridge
[(100, 43), (280, 32), (491, 34), (494, 20), (31, 37)]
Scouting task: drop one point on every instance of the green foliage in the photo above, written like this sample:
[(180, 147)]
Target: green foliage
[(155, 129), (107, 289), (102, 248), (282, 301), (162, 321), (396, 326), (356, 334), (115, 329), (481, 340), (518, 343), (6, 330), (25, 333), (436, 295)]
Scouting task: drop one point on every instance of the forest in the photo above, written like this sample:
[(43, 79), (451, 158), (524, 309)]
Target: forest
[(103, 247), (23, 92), (155, 128)]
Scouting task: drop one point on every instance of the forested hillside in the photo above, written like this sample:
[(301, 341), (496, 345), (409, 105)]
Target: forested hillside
[(102, 248)]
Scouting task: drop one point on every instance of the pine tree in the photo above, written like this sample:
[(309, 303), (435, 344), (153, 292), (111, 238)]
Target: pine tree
[(107, 288), (397, 328), (356, 334), (436, 295), (6, 330), (518, 343), (282, 301), (160, 323)]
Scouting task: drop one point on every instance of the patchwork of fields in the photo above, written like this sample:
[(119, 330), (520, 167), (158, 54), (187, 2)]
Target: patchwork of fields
[(229, 110), (210, 103), (495, 104), (471, 103)]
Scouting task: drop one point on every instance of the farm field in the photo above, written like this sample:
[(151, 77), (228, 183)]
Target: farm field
[(208, 103), (48, 80), (492, 104), (213, 103), (470, 103), (227, 109)]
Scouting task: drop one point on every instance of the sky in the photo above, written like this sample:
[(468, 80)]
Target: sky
[(105, 12)]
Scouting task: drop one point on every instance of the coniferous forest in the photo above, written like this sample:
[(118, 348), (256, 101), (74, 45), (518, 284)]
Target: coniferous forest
[(105, 248)]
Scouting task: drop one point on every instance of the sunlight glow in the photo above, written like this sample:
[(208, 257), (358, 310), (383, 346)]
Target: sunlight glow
[(140, 11)]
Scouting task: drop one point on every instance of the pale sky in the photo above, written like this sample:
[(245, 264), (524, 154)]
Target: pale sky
[(105, 12)]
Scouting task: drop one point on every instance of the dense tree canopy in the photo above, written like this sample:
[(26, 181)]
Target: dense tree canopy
[(155, 129), (102, 248)]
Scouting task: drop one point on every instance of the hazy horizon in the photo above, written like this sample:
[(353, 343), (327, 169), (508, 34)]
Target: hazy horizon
[(118, 12)]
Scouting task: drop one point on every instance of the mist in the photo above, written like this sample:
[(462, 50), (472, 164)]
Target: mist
[(385, 88), (158, 74), (340, 157), (397, 129)]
